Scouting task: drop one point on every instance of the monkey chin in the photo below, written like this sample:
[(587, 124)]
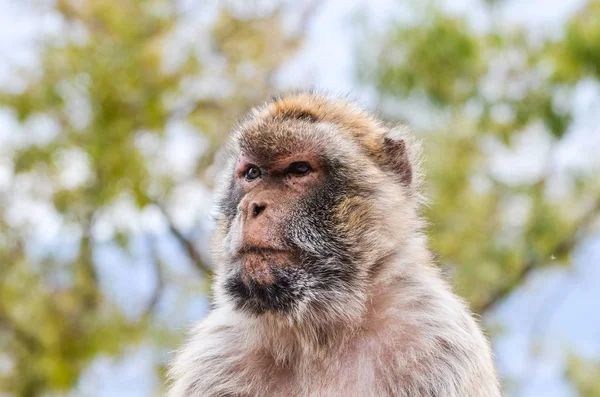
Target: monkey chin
[(265, 282)]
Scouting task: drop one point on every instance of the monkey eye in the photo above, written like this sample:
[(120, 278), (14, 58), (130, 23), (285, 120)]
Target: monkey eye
[(252, 173), (299, 168)]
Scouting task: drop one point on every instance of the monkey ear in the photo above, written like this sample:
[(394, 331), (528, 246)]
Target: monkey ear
[(397, 159)]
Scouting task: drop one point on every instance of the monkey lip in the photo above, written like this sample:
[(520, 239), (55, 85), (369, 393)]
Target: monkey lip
[(259, 250), (258, 263)]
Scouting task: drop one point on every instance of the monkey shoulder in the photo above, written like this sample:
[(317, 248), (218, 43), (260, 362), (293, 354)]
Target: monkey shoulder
[(427, 343)]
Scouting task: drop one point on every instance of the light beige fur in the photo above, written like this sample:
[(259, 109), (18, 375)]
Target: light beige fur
[(400, 333)]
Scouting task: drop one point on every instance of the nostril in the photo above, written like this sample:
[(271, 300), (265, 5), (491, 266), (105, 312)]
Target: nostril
[(258, 209)]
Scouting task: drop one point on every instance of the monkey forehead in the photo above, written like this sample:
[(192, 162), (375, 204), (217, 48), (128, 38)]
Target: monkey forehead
[(276, 140), (278, 163), (289, 122)]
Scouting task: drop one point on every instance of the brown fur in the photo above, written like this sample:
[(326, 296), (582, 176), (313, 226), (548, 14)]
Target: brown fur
[(395, 330)]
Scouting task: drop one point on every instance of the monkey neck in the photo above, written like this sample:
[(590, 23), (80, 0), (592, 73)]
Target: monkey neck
[(320, 335), (313, 341)]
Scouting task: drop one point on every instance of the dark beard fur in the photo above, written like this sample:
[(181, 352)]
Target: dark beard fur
[(282, 295)]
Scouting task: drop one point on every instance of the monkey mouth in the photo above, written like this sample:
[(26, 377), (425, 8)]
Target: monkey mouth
[(258, 263), (265, 279), (259, 250)]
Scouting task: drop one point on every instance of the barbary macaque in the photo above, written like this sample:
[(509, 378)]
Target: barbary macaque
[(324, 283)]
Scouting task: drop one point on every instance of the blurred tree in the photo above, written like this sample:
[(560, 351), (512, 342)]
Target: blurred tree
[(117, 76), (483, 96), (109, 91), (586, 376)]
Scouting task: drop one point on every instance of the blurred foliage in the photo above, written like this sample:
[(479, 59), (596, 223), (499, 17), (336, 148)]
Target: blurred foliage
[(586, 376), (456, 54), (120, 75)]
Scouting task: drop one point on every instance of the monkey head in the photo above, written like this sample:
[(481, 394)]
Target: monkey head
[(314, 200)]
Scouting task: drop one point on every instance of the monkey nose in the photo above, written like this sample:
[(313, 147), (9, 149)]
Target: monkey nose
[(257, 208)]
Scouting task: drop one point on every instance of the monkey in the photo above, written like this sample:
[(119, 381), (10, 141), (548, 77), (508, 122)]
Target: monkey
[(324, 283)]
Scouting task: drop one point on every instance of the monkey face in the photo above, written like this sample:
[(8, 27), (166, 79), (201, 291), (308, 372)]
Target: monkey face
[(306, 210), (286, 248)]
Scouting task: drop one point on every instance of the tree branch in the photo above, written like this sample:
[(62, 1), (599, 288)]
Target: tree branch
[(561, 248), (30, 342), (189, 247), (160, 279)]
